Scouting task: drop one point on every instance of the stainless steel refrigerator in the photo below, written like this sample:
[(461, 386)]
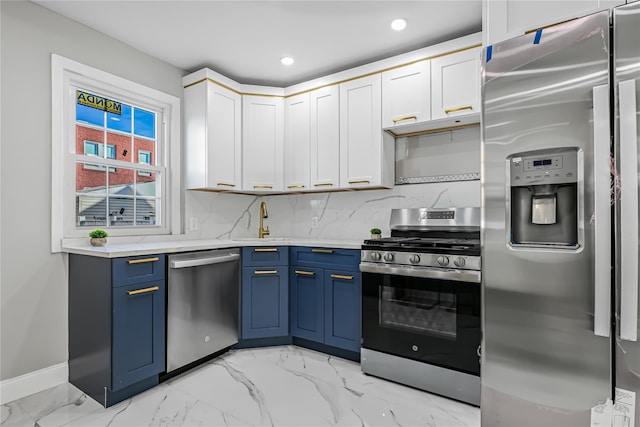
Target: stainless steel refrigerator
[(561, 110)]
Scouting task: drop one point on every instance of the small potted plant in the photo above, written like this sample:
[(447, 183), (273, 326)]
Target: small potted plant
[(376, 233), (98, 237)]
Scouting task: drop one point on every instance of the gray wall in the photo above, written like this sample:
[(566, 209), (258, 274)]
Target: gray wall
[(33, 292)]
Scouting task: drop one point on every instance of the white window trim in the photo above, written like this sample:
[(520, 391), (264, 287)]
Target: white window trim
[(66, 72)]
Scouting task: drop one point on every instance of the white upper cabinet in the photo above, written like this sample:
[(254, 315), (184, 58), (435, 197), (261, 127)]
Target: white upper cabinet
[(363, 158), (455, 84), (406, 94), (263, 143), (325, 138), (504, 19), (212, 137), (296, 142)]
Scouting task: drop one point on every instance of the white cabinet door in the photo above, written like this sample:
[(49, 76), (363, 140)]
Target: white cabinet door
[(262, 143), (406, 94), (325, 138), (455, 84), (212, 137), (296, 142), (505, 19), (363, 163)]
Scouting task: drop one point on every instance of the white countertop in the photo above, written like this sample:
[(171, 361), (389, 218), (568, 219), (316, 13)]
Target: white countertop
[(115, 249)]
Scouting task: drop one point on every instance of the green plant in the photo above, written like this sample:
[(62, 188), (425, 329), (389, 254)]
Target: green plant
[(376, 231), (98, 234)]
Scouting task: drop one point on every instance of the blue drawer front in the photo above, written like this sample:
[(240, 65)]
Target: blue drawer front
[(345, 259), (130, 270), (265, 256)]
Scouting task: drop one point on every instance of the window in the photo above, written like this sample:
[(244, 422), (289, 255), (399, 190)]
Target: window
[(116, 155)]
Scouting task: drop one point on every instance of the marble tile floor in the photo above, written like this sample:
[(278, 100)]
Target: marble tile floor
[(272, 386)]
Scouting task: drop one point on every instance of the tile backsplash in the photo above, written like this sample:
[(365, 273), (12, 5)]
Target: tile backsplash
[(335, 215)]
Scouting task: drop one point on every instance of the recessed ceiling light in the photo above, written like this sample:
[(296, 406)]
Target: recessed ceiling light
[(287, 60), (398, 24)]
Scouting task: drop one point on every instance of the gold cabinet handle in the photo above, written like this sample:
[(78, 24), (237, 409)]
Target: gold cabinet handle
[(400, 119), (265, 250), (328, 184), (262, 186), (265, 272), (339, 276), (140, 261), (363, 181), (453, 110), (143, 291), (295, 186), (322, 251), (305, 273), (224, 184)]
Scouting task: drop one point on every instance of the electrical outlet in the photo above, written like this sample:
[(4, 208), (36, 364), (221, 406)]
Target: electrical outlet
[(314, 222), (193, 223)]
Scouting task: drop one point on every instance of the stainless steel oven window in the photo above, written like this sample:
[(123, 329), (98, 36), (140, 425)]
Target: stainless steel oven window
[(417, 310)]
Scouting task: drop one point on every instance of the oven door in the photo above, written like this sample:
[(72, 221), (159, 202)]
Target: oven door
[(432, 320)]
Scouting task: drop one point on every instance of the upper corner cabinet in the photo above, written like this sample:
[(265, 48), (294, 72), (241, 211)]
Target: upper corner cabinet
[(297, 140), (213, 120), (366, 157), (455, 84), (406, 94), (263, 143)]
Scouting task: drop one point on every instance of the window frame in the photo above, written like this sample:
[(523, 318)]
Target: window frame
[(68, 75)]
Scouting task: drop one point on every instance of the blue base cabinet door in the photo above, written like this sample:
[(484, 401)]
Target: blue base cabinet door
[(265, 302), (307, 303), (138, 332), (342, 327)]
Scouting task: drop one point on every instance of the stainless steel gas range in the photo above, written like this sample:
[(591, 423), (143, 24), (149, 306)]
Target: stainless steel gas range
[(421, 302)]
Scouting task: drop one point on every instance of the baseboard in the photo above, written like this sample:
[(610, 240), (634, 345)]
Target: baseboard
[(33, 382)]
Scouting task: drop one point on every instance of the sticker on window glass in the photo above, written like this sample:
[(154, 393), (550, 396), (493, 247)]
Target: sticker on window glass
[(98, 102)]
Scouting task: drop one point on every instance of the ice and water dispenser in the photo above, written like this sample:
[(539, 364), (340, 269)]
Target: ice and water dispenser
[(544, 198)]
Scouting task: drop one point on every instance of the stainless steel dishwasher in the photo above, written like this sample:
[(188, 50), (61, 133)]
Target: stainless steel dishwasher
[(202, 304)]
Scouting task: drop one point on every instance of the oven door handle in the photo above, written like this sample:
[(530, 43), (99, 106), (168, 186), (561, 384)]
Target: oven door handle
[(424, 272)]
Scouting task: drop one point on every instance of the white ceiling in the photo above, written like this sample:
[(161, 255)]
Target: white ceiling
[(245, 40)]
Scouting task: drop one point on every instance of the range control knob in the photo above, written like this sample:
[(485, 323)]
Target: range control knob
[(388, 257), (414, 259), (459, 262), (376, 256), (443, 260)]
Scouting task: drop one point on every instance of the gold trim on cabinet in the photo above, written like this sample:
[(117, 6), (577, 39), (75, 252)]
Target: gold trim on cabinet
[(362, 181), (295, 186), (322, 251), (400, 119), (224, 184), (305, 273), (548, 26), (340, 276), (453, 110), (423, 132), (258, 272), (265, 250), (429, 58), (328, 184), (263, 186), (143, 291), (140, 261)]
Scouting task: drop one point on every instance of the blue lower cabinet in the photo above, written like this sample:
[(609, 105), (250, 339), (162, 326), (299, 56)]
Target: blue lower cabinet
[(265, 302), (307, 303), (342, 309), (138, 332)]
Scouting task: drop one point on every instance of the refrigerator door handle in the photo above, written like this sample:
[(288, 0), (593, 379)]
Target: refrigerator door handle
[(628, 231), (602, 211)]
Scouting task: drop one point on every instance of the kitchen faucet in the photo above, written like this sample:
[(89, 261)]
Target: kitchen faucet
[(263, 214)]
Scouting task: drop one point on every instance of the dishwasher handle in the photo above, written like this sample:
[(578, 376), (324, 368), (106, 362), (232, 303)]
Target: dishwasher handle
[(216, 259)]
